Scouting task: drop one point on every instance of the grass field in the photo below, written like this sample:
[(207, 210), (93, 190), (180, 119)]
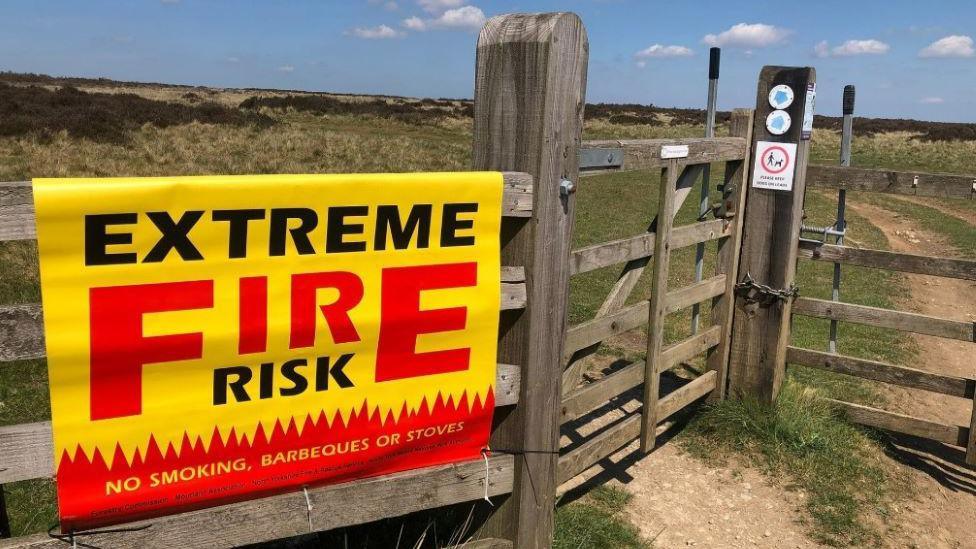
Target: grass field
[(609, 206)]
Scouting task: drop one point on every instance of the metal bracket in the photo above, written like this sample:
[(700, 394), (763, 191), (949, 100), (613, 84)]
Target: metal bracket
[(600, 159)]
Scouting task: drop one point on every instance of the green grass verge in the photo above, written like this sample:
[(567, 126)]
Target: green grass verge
[(595, 522), (801, 440)]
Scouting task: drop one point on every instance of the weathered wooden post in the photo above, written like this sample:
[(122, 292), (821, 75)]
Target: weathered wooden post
[(529, 96), (773, 214), (734, 191)]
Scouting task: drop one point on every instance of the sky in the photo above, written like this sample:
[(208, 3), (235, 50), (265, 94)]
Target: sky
[(908, 59)]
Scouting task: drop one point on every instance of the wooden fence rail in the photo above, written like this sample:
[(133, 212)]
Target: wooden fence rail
[(645, 154), (893, 261), (892, 182), (290, 514), (17, 205)]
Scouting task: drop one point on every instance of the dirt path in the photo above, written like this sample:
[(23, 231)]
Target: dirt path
[(679, 501), (936, 296), (944, 512)]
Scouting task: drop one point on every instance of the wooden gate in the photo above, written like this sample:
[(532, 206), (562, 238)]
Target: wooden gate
[(681, 163)]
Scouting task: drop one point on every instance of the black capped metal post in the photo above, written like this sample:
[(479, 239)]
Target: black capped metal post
[(714, 60), (841, 225)]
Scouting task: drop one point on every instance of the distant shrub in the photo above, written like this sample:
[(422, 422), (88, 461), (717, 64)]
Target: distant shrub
[(634, 120), (414, 113), (103, 117), (926, 131)]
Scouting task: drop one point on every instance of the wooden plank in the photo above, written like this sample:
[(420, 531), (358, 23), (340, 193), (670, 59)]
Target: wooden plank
[(16, 211), (594, 331), (21, 332), (771, 232), (686, 394), (892, 261), (689, 348), (939, 185), (622, 433), (591, 396), (642, 246), (727, 259), (880, 371), (27, 451), (658, 309), (22, 326), (645, 154), (971, 439), (530, 88), (487, 543), (694, 293), (599, 447), (288, 515), (900, 423), (885, 318), (17, 205)]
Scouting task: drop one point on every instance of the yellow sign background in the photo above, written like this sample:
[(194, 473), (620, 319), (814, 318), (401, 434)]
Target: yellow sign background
[(177, 396)]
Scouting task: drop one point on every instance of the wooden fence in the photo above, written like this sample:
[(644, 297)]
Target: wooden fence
[(764, 354), (529, 99), (927, 378)]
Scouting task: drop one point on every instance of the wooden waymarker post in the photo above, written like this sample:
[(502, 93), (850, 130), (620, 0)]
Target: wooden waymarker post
[(529, 97), (769, 247)]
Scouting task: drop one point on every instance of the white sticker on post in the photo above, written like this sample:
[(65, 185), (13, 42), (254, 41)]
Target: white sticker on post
[(674, 151), (775, 166), (807, 130)]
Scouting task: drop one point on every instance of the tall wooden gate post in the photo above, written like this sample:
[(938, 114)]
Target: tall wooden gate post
[(760, 330), (529, 97)]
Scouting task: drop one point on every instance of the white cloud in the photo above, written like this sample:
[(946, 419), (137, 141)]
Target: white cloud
[(233, 59), (465, 17), (414, 23), (851, 48), (286, 68), (641, 64), (439, 6), (861, 47), (821, 49), (950, 46), (658, 50), (747, 35), (931, 100), (381, 32)]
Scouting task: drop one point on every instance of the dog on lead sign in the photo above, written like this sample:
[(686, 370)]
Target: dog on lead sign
[(775, 166)]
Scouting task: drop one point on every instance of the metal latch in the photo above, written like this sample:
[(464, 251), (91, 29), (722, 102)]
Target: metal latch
[(600, 158)]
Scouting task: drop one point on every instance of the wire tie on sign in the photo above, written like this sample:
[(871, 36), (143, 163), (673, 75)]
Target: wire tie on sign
[(308, 507), (484, 453)]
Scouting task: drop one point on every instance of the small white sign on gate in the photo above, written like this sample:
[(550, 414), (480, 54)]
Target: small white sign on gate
[(775, 166)]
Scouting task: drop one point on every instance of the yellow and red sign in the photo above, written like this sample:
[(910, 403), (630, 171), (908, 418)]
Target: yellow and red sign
[(212, 339)]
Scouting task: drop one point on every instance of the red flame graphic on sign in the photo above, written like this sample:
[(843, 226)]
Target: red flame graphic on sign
[(93, 493)]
